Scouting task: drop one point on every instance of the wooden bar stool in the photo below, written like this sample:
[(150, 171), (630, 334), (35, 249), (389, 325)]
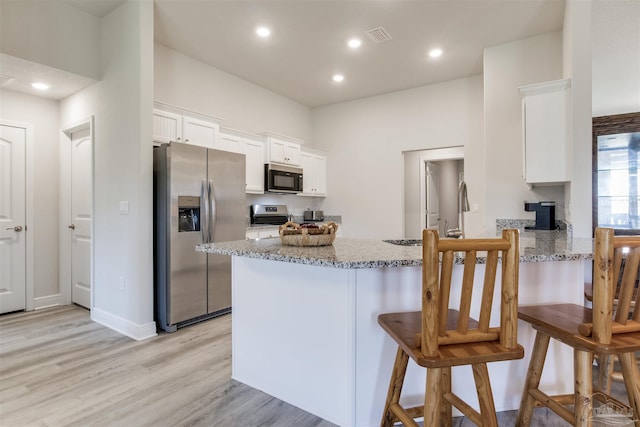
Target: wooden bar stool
[(600, 330), (438, 337)]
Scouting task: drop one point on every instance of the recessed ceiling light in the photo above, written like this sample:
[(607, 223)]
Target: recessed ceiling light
[(40, 86), (354, 43), (263, 32), (434, 53), (338, 78)]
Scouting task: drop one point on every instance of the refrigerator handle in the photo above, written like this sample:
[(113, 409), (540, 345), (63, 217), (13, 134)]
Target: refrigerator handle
[(211, 221), (204, 219)]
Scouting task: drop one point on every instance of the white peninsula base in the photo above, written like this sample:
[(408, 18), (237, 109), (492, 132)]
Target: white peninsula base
[(309, 336)]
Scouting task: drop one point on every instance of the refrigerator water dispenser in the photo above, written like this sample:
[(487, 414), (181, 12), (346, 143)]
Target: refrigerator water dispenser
[(188, 213)]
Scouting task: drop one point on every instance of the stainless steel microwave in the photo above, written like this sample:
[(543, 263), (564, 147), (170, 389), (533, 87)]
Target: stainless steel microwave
[(282, 179)]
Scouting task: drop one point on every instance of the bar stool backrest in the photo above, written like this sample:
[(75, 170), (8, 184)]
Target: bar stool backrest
[(616, 270), (438, 260)]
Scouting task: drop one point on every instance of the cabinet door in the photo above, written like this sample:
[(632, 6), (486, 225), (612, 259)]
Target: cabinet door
[(254, 152), (546, 142), (230, 143), (306, 162), (276, 151), (284, 152), (292, 154), (167, 127), (320, 175), (198, 132), (314, 169)]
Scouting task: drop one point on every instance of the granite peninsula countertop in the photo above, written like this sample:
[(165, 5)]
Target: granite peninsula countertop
[(538, 246)]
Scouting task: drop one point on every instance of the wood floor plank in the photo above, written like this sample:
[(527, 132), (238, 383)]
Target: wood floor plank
[(58, 368)]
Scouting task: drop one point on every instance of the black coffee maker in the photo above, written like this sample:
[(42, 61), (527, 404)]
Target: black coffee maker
[(545, 215)]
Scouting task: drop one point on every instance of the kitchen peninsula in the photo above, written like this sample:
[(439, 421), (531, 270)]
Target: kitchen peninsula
[(305, 320)]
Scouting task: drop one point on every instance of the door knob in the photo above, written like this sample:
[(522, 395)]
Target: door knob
[(17, 228), (72, 226)]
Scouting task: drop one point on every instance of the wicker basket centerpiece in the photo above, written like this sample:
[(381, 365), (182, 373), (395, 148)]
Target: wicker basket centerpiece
[(293, 234)]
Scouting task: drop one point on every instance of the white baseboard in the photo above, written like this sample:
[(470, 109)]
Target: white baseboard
[(46, 302), (124, 326)]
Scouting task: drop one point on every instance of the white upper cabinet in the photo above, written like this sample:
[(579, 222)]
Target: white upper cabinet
[(254, 151), (253, 147), (232, 143), (167, 127), (284, 152), (171, 126), (546, 133), (314, 167), (200, 132)]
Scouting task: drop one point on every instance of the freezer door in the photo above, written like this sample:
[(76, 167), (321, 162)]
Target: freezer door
[(226, 185), (187, 287)]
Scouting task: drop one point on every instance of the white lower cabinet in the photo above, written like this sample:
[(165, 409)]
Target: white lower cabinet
[(263, 233), (314, 168)]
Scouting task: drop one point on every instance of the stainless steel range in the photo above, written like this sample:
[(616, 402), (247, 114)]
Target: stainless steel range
[(269, 214)]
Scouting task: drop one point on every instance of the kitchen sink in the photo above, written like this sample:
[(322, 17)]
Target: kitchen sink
[(405, 242)]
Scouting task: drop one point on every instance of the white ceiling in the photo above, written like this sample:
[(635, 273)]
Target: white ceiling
[(308, 41)]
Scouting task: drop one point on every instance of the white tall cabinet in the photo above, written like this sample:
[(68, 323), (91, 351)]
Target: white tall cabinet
[(546, 132)]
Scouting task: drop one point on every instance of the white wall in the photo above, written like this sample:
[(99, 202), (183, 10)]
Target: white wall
[(51, 33), (43, 115), (123, 169), (187, 83), (616, 56), (506, 68), (577, 66), (365, 139)]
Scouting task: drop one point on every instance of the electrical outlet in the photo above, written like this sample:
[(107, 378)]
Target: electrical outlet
[(122, 283), (475, 207)]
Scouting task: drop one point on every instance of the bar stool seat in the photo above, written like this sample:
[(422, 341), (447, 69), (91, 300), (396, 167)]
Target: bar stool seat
[(603, 330), (439, 337)]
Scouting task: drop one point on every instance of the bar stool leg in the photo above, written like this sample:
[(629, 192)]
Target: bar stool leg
[(631, 377), (395, 387), (583, 387), (525, 412), (446, 415), (485, 395), (433, 397)]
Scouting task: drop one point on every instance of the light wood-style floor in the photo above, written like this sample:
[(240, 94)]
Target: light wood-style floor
[(58, 368)]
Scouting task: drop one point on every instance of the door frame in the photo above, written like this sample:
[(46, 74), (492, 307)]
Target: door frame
[(65, 207), (29, 255), (434, 155)]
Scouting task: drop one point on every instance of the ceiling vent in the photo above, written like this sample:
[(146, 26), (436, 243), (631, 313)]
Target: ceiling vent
[(379, 35)]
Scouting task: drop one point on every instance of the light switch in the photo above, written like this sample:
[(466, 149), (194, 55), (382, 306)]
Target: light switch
[(124, 207), (475, 207)]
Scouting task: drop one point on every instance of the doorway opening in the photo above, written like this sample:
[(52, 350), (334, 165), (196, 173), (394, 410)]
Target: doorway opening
[(431, 182)]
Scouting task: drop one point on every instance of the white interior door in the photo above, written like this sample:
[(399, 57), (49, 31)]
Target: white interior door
[(12, 218), (432, 184), (81, 216)]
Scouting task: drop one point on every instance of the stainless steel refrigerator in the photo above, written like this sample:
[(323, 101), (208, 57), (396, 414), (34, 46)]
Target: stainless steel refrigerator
[(199, 197)]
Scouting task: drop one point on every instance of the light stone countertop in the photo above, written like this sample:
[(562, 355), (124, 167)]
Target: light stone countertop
[(536, 246)]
